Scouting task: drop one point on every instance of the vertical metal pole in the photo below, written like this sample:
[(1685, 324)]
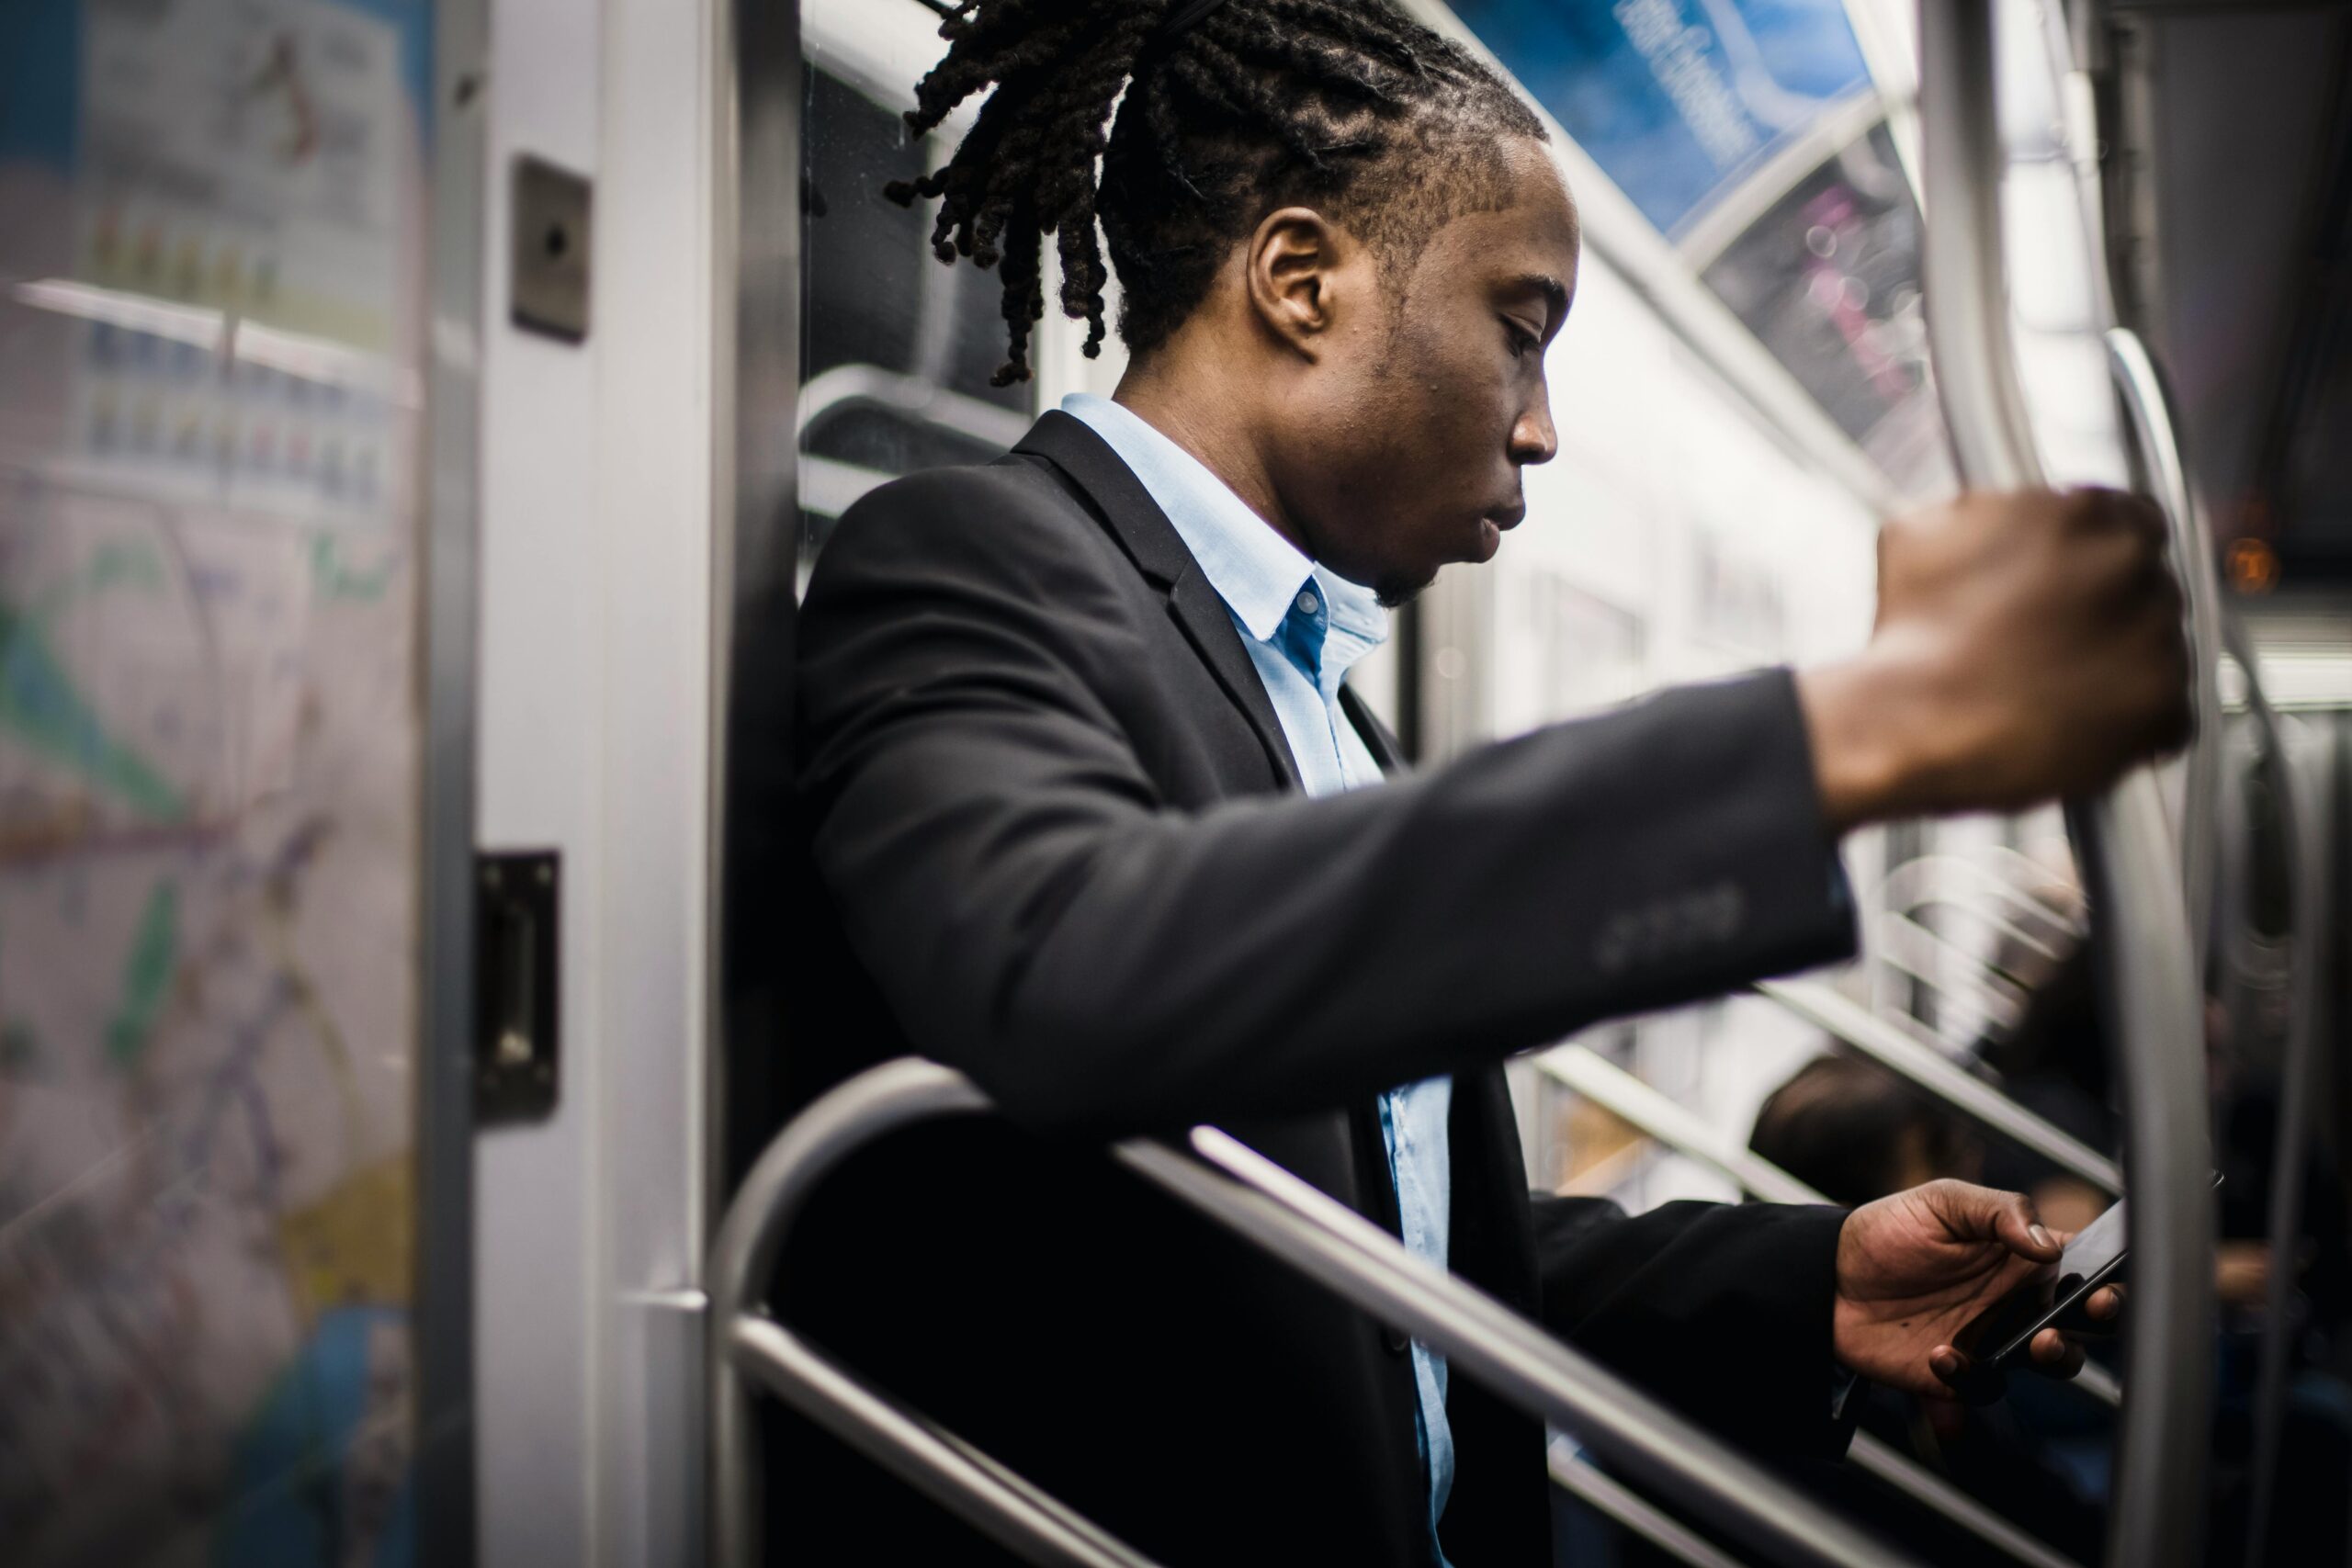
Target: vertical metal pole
[(2149, 412), (2152, 999), (2307, 847), (757, 370), (443, 1322)]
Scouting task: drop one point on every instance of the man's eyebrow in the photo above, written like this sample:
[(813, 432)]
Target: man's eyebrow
[(1554, 292)]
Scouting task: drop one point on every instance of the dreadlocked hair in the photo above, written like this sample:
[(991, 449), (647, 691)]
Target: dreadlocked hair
[(1344, 104)]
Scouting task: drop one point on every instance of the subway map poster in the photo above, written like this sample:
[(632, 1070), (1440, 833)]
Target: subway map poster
[(211, 314)]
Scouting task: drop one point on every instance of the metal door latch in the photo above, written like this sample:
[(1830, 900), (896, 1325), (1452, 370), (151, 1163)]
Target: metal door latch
[(516, 895)]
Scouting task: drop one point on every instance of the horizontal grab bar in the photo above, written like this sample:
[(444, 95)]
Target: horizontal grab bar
[(1266, 1205), (1856, 1026)]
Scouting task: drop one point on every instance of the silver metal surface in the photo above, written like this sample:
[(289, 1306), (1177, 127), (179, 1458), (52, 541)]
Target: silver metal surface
[(1856, 1026), (1578, 1476), (1925, 1486), (1947, 968), (2149, 412), (2153, 1014), (2153, 1003), (757, 96), (913, 397), (444, 1146), (988, 1496), (1332, 1243), (2308, 847), (2214, 630), (2007, 901), (1968, 319), (744, 1340)]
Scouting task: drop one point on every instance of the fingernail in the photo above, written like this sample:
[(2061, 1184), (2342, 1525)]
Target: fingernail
[(2041, 1238)]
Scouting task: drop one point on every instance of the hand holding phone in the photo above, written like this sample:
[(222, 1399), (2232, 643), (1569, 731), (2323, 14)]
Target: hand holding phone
[(1916, 1268), (2057, 1297), (2002, 1335)]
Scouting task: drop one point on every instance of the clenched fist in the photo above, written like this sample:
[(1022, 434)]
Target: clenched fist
[(2027, 645)]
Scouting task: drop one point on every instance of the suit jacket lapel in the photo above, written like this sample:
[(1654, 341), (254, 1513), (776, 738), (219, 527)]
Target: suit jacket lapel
[(1199, 610), (1143, 531)]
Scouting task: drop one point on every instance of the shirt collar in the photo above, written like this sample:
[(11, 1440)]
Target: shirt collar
[(1254, 570)]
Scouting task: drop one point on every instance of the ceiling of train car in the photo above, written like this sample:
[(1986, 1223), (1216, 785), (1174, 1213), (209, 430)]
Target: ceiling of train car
[(2249, 138)]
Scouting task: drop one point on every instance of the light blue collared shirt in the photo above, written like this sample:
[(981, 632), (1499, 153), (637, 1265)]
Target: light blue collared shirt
[(1304, 627)]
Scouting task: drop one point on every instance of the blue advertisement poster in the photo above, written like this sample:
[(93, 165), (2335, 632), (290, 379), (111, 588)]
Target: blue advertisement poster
[(1676, 100)]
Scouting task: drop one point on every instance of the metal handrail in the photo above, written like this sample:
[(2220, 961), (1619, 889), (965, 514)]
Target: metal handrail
[(2212, 629), (1944, 966), (2148, 979), (1863, 1030), (1580, 1477), (1273, 1210), (745, 1341), (1654, 1115), (2284, 1231), (2142, 389)]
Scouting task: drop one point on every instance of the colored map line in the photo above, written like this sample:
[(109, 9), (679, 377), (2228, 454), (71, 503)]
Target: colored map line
[(338, 579), (146, 977), (38, 704)]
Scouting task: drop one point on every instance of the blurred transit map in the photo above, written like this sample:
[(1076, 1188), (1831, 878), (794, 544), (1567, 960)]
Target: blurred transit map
[(211, 309)]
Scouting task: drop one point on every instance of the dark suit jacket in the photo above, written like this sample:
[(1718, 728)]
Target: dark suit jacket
[(1058, 843)]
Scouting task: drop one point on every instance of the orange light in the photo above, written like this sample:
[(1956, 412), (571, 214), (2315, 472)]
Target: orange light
[(2253, 566)]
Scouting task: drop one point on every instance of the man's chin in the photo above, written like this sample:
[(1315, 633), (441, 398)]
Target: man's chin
[(1395, 592)]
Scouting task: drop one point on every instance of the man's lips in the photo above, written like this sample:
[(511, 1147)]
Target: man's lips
[(1508, 516)]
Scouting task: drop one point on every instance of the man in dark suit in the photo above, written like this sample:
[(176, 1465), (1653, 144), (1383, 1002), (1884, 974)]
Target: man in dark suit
[(1093, 817)]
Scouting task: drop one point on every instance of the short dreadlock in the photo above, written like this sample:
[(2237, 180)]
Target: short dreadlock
[(1341, 104)]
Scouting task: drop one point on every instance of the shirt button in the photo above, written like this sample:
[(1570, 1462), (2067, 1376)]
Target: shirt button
[(1307, 602)]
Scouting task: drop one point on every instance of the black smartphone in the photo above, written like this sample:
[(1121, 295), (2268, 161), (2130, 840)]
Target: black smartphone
[(1997, 1339)]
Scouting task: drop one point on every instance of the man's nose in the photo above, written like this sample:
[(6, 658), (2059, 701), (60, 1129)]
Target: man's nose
[(1532, 439)]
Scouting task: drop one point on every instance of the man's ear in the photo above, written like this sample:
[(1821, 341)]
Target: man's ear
[(1296, 267)]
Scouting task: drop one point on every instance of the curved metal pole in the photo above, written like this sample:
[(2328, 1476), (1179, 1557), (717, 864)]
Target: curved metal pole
[(1267, 1205), (745, 1341), (1640, 1438), (1919, 882), (2149, 986), (2150, 411), (2212, 626), (1951, 970), (1980, 1101), (2289, 1157)]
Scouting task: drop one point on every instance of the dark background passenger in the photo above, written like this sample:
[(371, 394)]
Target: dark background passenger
[(1853, 1131)]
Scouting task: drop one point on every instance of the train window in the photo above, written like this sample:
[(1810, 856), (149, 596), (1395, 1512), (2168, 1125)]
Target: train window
[(897, 350)]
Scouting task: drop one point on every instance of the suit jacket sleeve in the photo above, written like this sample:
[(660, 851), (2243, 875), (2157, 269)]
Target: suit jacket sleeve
[(1722, 1312), (1038, 916)]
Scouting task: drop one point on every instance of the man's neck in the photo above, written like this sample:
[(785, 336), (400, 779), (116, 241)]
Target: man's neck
[(1197, 418)]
